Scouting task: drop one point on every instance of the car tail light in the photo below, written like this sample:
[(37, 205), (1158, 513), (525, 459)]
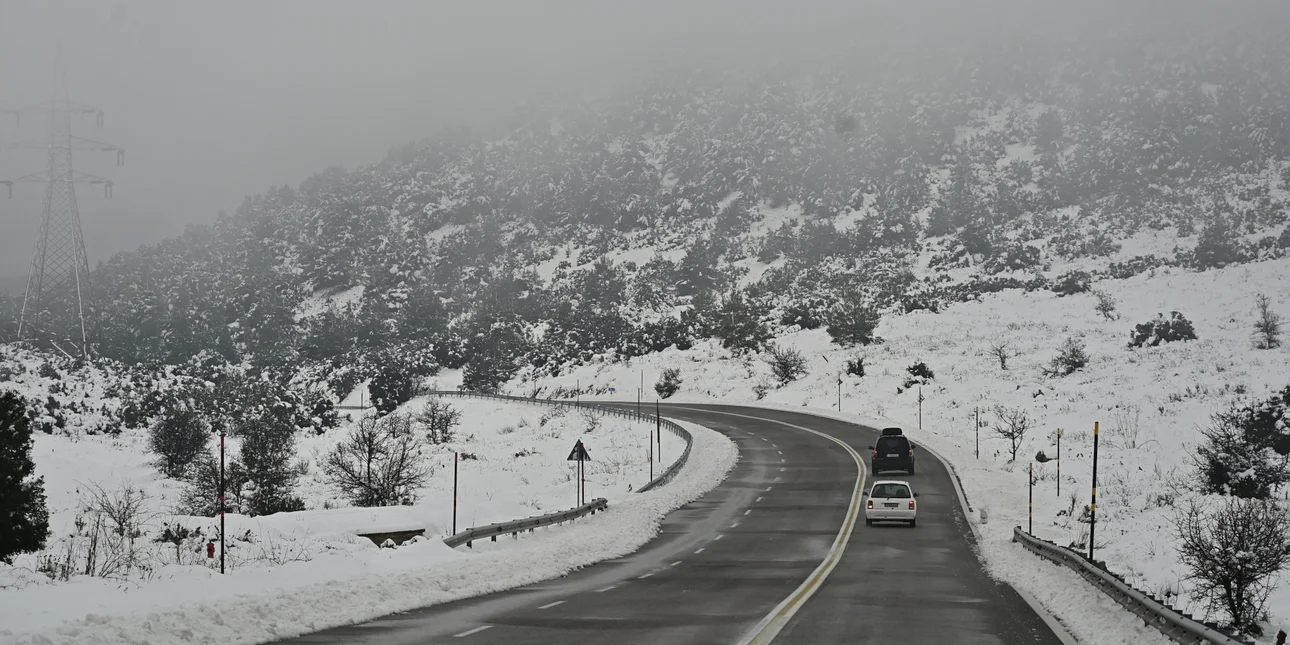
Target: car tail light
[(911, 504), (875, 453), (911, 452), (870, 504)]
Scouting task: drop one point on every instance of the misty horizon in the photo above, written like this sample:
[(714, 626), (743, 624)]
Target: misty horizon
[(217, 104)]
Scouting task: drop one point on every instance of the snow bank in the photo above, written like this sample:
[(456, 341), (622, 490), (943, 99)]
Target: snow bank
[(315, 558), (350, 586)]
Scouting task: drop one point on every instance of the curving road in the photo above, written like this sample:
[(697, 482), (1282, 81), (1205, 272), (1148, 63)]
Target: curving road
[(745, 564)]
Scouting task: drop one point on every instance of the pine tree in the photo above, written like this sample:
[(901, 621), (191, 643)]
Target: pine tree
[(22, 497)]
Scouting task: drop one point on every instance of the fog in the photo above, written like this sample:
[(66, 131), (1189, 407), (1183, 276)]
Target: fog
[(215, 101)]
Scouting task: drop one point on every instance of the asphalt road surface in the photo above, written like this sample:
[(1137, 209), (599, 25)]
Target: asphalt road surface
[(733, 566)]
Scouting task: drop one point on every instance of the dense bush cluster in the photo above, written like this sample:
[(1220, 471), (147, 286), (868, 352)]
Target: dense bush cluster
[(1163, 330)]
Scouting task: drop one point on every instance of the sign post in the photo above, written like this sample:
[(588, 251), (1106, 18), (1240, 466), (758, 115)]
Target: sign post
[(456, 457), (1059, 462), (579, 454), (1092, 515), (221, 497)]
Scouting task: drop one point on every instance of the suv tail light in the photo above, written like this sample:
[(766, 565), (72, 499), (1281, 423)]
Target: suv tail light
[(875, 453), (911, 452), (911, 504), (870, 504)]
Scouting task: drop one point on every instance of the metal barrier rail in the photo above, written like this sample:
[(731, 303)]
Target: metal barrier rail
[(1172, 623), (514, 526)]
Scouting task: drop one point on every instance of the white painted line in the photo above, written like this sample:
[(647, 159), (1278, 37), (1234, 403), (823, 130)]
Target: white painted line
[(674, 563), (699, 551), (719, 536), (759, 499), (734, 525), (645, 576), (770, 626), (780, 451), (777, 478), (473, 631), (551, 604), (781, 461), (609, 588), (768, 489), (782, 469), (748, 511)]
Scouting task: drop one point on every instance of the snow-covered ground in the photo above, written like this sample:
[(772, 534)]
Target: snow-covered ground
[(517, 468), (1151, 404)]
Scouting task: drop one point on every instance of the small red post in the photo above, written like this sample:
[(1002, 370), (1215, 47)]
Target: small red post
[(210, 550)]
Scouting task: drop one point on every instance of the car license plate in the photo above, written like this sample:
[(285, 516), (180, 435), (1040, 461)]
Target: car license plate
[(890, 505), (892, 456)]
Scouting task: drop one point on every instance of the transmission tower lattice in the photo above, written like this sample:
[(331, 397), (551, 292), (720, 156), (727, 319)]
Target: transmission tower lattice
[(57, 307)]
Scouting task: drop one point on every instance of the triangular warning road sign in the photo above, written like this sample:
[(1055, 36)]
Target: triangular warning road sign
[(579, 452)]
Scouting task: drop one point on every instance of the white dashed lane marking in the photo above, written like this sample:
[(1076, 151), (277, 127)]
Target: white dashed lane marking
[(472, 631)]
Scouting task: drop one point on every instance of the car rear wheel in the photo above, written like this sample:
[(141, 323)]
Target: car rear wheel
[(913, 523), (911, 469), (868, 522)]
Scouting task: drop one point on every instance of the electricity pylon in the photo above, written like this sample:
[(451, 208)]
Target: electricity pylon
[(57, 307)]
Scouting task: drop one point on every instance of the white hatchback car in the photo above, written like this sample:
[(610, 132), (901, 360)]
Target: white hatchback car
[(891, 501)]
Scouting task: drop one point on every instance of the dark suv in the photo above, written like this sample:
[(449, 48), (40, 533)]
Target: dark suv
[(893, 452)]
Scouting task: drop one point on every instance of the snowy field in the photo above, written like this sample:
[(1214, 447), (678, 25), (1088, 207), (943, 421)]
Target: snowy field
[(285, 567), (1151, 404)]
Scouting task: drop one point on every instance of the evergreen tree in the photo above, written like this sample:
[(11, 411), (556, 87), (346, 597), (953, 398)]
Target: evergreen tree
[(267, 449), (740, 323), (22, 497)]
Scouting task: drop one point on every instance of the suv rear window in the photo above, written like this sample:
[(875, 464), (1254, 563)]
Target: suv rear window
[(892, 445), (891, 491)]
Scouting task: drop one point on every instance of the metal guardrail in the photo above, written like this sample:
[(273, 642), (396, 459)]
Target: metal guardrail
[(1172, 623), (515, 526)]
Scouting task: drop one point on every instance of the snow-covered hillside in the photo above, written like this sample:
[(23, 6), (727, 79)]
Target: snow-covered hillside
[(1151, 404), (515, 468)]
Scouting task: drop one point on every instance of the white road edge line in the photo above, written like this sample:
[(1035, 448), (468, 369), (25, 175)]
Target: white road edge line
[(770, 626), (473, 631), (551, 604), (609, 588)]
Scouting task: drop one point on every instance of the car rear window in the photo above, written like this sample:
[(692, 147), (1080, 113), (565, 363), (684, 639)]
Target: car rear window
[(888, 445), (891, 491)]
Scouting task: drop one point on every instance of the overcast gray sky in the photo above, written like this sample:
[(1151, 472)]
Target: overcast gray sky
[(217, 100)]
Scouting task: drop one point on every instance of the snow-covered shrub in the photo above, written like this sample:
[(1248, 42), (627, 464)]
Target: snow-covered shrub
[(1001, 351), (803, 314), (1163, 330), (919, 374), (786, 363), (669, 382), (1244, 451), (1071, 283), (851, 323), (22, 496), (1071, 358), (740, 324), (1267, 329), (1105, 305), (177, 439), (1233, 550), (855, 366), (380, 463), (1217, 247)]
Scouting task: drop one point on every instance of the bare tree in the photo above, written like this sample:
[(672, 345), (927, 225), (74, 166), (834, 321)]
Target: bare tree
[(1267, 329), (440, 418), (1001, 351), (1013, 425), (786, 363), (1233, 554), (379, 464), (1105, 305)]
